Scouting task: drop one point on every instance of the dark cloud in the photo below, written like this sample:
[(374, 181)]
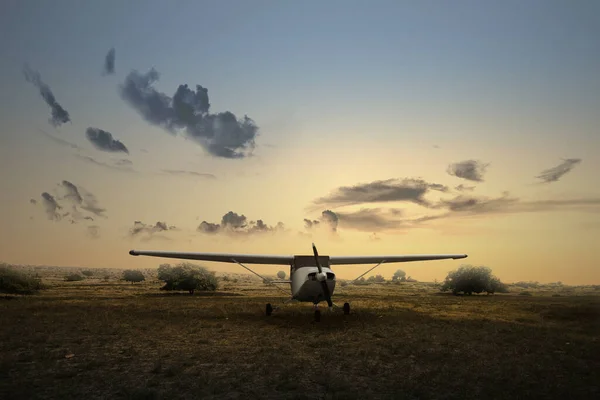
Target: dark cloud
[(471, 170), (123, 162), (51, 206), (103, 140), (555, 173), (33, 201), (236, 224), (410, 190), (109, 62), (188, 173), (463, 188), (140, 228), (221, 134), (59, 114), (328, 221)]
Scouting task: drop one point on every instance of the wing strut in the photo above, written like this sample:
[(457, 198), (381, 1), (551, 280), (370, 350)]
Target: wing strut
[(264, 279), (381, 262)]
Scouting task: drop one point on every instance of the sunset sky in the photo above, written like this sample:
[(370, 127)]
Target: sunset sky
[(385, 127)]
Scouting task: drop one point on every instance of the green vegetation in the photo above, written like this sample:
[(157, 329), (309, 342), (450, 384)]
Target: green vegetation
[(398, 275), (281, 275), (87, 273), (469, 279), (187, 276), (133, 275), (13, 281), (74, 277)]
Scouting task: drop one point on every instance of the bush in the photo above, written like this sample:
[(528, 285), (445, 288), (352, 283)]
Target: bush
[(88, 273), (468, 280), (132, 275), (399, 275), (187, 276), (281, 274), (16, 282), (376, 279), (74, 277)]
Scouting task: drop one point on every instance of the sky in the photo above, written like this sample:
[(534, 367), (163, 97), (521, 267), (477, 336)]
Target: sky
[(385, 127)]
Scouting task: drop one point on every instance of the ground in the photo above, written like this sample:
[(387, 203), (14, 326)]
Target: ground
[(102, 338)]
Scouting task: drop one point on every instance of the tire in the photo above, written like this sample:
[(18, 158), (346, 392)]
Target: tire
[(346, 308), (269, 309), (317, 315)]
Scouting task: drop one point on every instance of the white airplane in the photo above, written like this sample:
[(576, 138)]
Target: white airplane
[(311, 277)]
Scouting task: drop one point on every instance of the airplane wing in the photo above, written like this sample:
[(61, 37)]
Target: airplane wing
[(289, 259), (337, 260), (219, 257)]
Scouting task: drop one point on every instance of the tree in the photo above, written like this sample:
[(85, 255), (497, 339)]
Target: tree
[(398, 275), (469, 279), (133, 275), (187, 276), (87, 273), (281, 275)]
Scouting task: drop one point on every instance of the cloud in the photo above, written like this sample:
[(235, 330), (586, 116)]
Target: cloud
[(51, 206), (81, 198), (371, 219), (471, 170), (463, 188), (109, 62), (188, 173), (555, 173), (103, 140), (59, 114), (59, 141), (141, 229), (482, 205), (221, 135), (33, 201), (93, 231), (235, 224), (119, 165), (391, 190)]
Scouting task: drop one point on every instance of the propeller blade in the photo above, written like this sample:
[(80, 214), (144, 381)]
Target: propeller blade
[(323, 283), (317, 258)]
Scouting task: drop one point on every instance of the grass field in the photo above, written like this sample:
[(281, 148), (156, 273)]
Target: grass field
[(107, 339)]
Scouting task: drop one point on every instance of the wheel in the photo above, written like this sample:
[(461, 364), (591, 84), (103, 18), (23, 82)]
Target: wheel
[(269, 309), (346, 308), (317, 315)]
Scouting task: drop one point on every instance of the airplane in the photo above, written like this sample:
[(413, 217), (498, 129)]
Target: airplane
[(311, 277)]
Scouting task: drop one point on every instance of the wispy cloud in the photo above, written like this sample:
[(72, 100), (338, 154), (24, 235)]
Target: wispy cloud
[(390, 190), (119, 165), (188, 173), (59, 114), (58, 140), (555, 173)]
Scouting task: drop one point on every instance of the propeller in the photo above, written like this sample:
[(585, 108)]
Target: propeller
[(322, 277)]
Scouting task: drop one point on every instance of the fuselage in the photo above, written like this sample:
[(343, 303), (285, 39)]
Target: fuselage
[(305, 285)]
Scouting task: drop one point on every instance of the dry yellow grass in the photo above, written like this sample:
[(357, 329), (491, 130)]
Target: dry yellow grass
[(107, 340)]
